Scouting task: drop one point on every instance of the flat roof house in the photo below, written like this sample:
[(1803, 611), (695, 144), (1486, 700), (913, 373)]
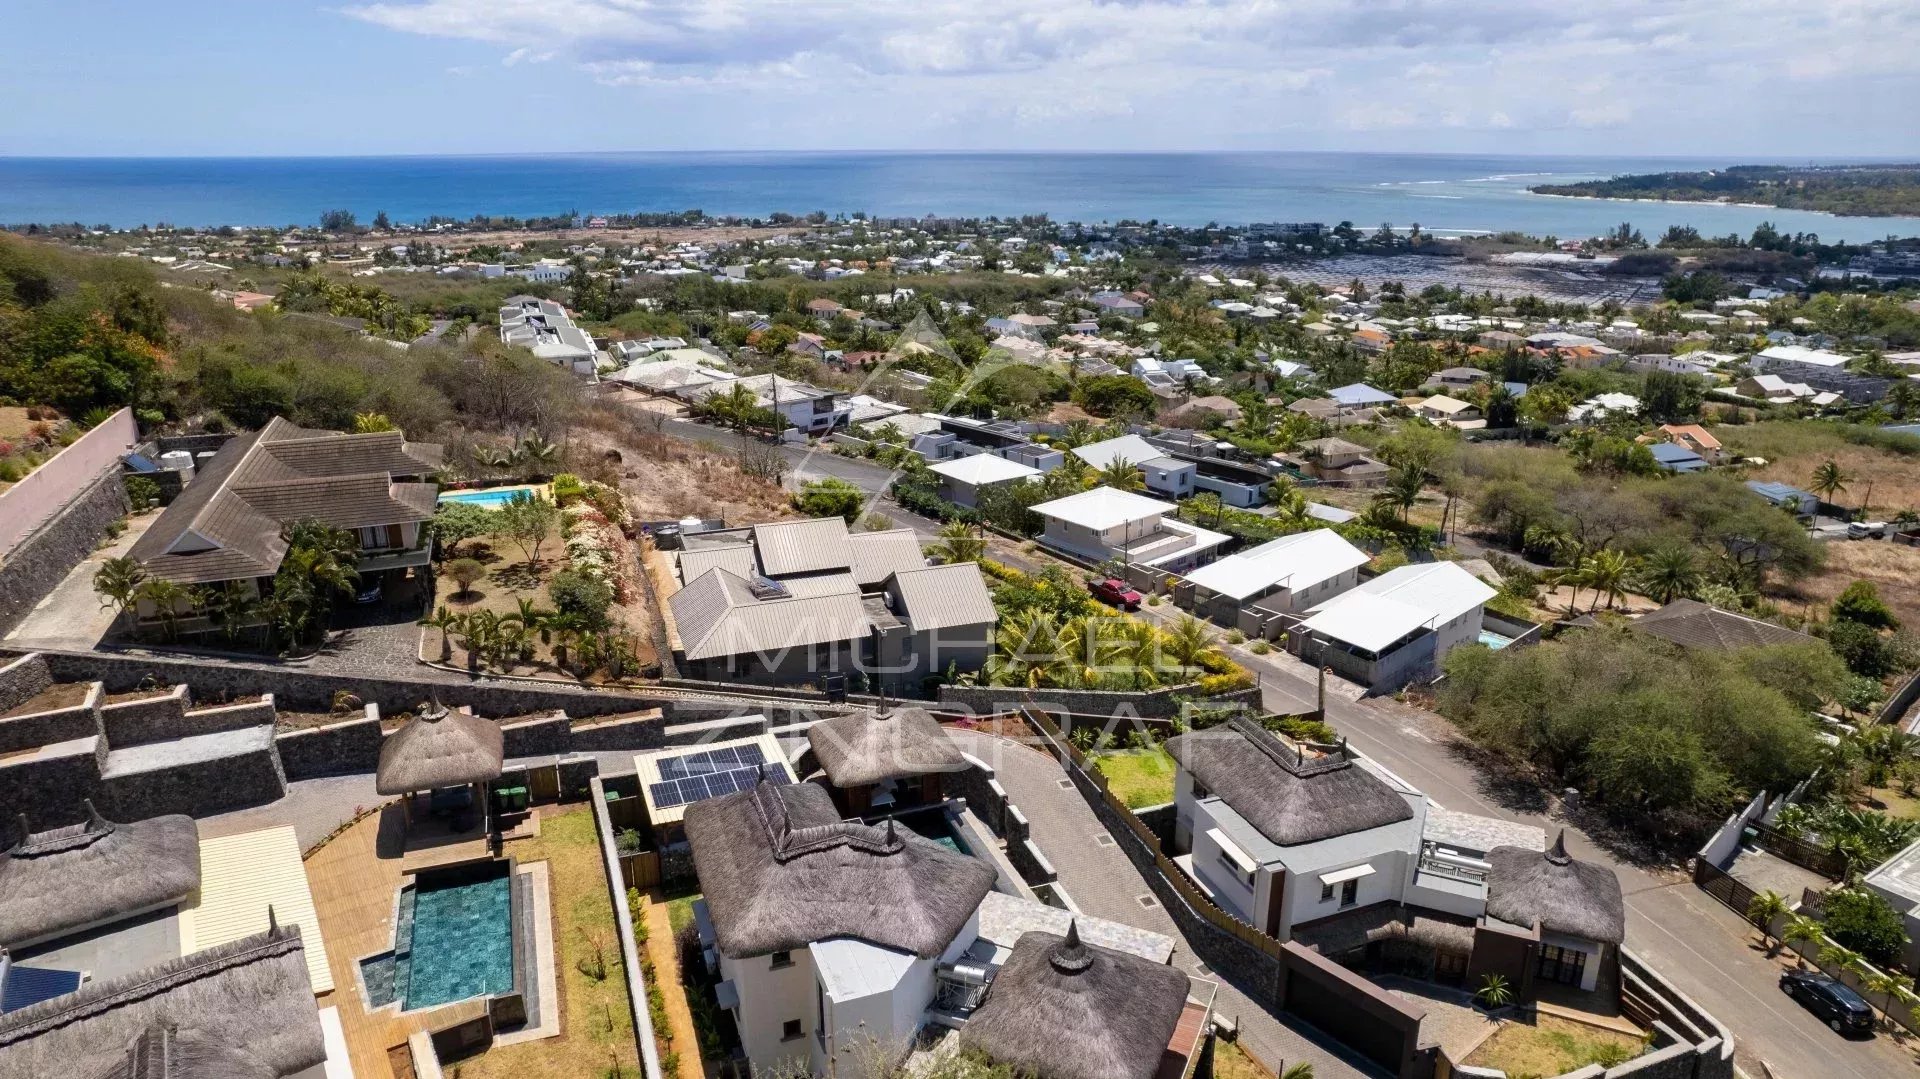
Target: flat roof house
[(792, 601), (1397, 627), (545, 327), (227, 524), (962, 478), (1288, 575), (1106, 524), (959, 436), (1164, 473)]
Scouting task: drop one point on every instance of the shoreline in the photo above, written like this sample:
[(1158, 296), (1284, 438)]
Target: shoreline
[(1914, 217)]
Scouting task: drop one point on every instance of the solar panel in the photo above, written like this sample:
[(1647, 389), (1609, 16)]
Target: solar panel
[(713, 773), (750, 754), (672, 768), (665, 795), (724, 757)]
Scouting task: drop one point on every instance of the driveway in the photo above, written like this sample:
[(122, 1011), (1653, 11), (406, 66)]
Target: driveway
[(71, 616)]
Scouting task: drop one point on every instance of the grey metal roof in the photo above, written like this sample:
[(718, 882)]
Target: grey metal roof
[(940, 597), (737, 559), (807, 546), (876, 555), (718, 615), (85, 874)]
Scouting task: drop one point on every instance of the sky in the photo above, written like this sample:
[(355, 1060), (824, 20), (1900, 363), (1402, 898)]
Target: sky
[(1777, 80)]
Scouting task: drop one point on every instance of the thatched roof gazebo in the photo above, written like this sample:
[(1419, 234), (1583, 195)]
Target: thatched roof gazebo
[(889, 745), (440, 748), (781, 871), (1061, 1009), (1558, 892), (81, 875)]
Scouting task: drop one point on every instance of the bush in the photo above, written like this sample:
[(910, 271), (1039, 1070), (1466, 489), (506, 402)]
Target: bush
[(1861, 603), (567, 489), (465, 571), (142, 492), (1863, 921), (830, 497), (1862, 649), (582, 594)]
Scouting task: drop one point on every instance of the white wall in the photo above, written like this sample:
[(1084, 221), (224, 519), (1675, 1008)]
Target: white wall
[(1302, 900), (768, 998)]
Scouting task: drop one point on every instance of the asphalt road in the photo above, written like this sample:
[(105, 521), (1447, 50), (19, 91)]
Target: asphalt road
[(1703, 948)]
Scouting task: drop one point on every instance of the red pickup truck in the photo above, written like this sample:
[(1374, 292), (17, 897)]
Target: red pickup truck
[(1115, 591)]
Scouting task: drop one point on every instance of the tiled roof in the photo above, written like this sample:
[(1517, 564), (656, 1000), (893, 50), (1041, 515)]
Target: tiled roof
[(1692, 624)]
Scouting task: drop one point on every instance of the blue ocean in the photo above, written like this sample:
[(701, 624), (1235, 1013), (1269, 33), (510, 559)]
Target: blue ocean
[(1441, 192)]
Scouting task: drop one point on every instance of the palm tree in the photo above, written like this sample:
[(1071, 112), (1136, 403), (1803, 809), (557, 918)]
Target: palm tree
[(1670, 573), (536, 456), (1072, 475), (1804, 931), (1882, 749), (1123, 475), (1763, 911), (1606, 572), (1494, 991), (1402, 489), (1840, 957), (1889, 984), (1829, 479), (229, 605), (1302, 1070), (1190, 642), (1027, 652), (444, 621), (165, 597), (959, 543), (118, 581), (1906, 521)]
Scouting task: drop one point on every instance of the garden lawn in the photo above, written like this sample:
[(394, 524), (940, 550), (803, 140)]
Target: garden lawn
[(1552, 1046), (1140, 777), (1232, 1062), (596, 1022)]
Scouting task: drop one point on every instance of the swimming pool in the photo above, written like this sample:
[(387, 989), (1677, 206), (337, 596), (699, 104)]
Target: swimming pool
[(453, 939), (932, 823), (491, 499), (1494, 640)]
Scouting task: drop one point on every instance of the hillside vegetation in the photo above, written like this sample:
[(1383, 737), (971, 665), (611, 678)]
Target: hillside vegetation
[(1853, 190)]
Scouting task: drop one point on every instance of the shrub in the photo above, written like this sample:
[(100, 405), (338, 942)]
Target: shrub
[(1259, 648), (142, 492), (1863, 921), (567, 489), (1862, 648), (582, 594), (1861, 603), (830, 497), (465, 571)]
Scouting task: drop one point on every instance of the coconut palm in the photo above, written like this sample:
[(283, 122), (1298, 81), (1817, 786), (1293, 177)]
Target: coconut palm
[(959, 543), (1190, 642), (1071, 476), (1123, 475), (536, 456), (1889, 985), (1840, 958), (1302, 1070), (1402, 489), (1762, 912), (1829, 479), (1606, 572), (1670, 573), (1803, 931), (118, 581), (1027, 652), (166, 598)]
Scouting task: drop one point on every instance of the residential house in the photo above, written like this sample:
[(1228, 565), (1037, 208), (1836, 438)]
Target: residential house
[(1897, 880), (795, 601), (1459, 377), (1501, 341), (1696, 438), (810, 345), (1238, 485), (960, 436), (1119, 304), (823, 308), (1690, 623), (1164, 474), (963, 478), (1325, 409), (1804, 505), (1395, 628), (1359, 395), (1105, 524), (1450, 411), (1335, 460), (1776, 390), (1601, 406), (1288, 575), (545, 327), (1206, 412), (1674, 457), (227, 528), (805, 407)]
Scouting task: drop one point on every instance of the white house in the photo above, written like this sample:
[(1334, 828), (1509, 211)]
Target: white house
[(962, 478), (1288, 575), (1104, 524), (1396, 627), (1164, 473)]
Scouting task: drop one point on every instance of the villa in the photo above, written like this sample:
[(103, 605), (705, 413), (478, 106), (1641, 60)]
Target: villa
[(1397, 627), (545, 327), (1106, 524), (1335, 460), (1288, 575), (228, 524), (1164, 474), (798, 601), (963, 478)]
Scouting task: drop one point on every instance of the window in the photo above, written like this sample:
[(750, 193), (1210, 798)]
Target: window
[(1349, 892), (1566, 966), (1326, 892), (782, 960), (1243, 876), (790, 1031)]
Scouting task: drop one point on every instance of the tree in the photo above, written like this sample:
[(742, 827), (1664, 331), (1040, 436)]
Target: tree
[(231, 605), (1862, 648), (1669, 573), (1766, 908), (1209, 507), (959, 543), (1860, 602), (1402, 489), (166, 598), (1114, 395), (1606, 572), (320, 563), (465, 573), (456, 522), (367, 423), (1890, 985), (1829, 479), (118, 581), (1123, 475), (1805, 932), (529, 520), (1190, 642), (444, 621), (582, 595), (1864, 922), (830, 496)]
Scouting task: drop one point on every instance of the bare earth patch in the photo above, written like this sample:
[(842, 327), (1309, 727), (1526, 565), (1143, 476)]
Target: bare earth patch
[(1893, 567)]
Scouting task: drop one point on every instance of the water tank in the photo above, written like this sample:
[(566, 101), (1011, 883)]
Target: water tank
[(178, 461)]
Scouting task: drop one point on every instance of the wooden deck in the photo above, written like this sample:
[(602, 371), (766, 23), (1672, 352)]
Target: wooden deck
[(356, 878), (1186, 1035)]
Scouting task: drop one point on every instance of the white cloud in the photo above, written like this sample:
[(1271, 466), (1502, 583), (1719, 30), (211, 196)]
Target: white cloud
[(1220, 72)]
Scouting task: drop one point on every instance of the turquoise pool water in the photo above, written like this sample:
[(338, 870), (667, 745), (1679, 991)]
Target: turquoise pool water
[(452, 941), (491, 500), (1494, 640)]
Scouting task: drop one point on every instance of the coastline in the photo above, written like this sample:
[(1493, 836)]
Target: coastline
[(1725, 203)]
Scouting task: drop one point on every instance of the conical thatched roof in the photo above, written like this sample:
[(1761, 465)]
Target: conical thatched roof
[(162, 1052), (251, 995), (440, 748), (1566, 896), (864, 748), (1060, 1009), (84, 874), (1290, 797), (781, 871)]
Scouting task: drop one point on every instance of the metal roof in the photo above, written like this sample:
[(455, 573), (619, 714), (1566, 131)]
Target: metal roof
[(879, 555), (241, 876), (807, 546), (1298, 561), (982, 468), (1103, 508), (940, 597)]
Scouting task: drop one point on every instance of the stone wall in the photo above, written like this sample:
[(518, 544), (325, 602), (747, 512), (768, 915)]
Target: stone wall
[(544, 736), (635, 733), (346, 748), (986, 700), (128, 722), (44, 558), (21, 680), (48, 789), (197, 788), (58, 725)]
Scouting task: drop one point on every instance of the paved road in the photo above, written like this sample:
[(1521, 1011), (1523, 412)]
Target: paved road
[(1702, 947)]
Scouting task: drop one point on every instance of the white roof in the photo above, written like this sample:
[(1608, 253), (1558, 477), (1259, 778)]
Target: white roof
[(1394, 604), (1443, 403), (241, 876), (1817, 357), (1103, 508), (1133, 448), (1298, 561), (983, 468)]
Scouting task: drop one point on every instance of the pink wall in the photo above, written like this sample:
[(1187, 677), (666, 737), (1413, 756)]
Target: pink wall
[(28, 504)]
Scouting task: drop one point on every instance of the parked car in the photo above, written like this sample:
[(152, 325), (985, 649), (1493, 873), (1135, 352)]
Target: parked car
[(1115, 591), (1866, 529), (1838, 1006), (369, 593)]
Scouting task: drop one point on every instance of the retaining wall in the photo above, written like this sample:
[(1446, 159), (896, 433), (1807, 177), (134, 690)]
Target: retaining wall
[(197, 788), (344, 748), (39, 560), (38, 729), (21, 680)]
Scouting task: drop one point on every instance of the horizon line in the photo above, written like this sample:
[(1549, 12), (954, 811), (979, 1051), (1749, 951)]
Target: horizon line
[(1755, 159)]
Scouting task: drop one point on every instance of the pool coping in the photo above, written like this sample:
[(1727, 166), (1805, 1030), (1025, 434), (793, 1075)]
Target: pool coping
[(546, 979)]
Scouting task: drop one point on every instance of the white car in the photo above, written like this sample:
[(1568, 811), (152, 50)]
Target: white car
[(1867, 529)]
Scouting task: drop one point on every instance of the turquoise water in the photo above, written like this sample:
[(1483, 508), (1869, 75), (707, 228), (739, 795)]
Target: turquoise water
[(450, 943), (1443, 192), (492, 500), (1494, 640)]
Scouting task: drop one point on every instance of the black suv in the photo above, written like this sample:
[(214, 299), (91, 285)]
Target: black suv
[(1840, 1007)]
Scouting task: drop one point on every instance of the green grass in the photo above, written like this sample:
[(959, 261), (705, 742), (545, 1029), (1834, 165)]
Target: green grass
[(1553, 1046), (1140, 777), (680, 911)]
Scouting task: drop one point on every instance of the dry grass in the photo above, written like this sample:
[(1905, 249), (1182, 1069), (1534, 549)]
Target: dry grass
[(665, 477), (1232, 1062), (1551, 1046), (1794, 450), (1893, 567), (595, 1021), (509, 582)]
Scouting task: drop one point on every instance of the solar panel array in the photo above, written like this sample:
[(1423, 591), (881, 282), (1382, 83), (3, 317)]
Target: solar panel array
[(710, 774)]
